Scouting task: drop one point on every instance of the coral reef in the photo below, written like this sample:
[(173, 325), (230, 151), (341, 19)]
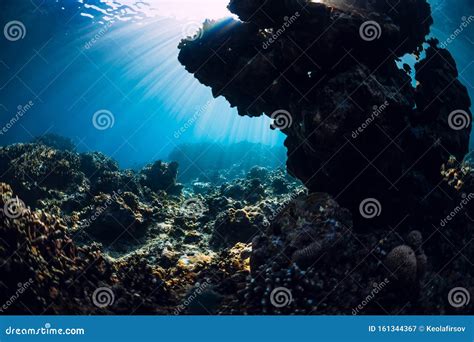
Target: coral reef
[(36, 249), (129, 249), (234, 233), (38, 171)]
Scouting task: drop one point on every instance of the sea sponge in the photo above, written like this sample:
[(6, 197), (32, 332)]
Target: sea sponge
[(402, 264), (308, 253)]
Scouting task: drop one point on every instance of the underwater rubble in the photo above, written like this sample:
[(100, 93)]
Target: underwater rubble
[(130, 247)]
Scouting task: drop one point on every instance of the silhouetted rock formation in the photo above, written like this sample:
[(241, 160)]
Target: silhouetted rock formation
[(327, 75)]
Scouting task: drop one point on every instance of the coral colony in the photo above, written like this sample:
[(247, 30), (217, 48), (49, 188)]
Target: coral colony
[(369, 216)]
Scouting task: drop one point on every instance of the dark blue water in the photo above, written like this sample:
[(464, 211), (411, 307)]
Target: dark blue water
[(107, 76)]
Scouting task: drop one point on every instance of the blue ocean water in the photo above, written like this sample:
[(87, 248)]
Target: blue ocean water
[(105, 74)]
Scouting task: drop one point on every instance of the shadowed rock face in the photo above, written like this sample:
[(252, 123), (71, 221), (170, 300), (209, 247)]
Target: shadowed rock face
[(356, 127)]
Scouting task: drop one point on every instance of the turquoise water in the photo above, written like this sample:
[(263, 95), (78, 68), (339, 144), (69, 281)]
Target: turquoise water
[(80, 61)]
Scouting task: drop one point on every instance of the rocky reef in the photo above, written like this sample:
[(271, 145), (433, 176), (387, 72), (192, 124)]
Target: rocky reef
[(379, 218), (80, 236), (329, 75), (243, 246)]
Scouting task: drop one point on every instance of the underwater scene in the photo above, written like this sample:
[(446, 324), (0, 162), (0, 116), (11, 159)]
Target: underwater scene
[(236, 157)]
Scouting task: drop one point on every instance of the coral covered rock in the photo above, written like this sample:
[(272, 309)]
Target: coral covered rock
[(250, 190), (38, 171), (112, 217), (161, 176), (41, 268), (236, 225), (307, 229), (326, 74)]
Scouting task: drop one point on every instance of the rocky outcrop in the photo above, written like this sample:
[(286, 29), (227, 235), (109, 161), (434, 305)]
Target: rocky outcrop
[(161, 176), (327, 74), (38, 171)]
